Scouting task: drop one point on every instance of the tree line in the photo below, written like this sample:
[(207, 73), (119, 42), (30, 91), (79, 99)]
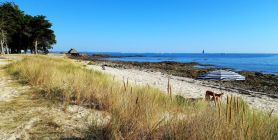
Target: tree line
[(22, 32)]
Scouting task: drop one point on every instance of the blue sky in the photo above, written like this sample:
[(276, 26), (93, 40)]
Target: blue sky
[(175, 26)]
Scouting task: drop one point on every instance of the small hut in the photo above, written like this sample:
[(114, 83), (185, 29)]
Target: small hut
[(73, 52)]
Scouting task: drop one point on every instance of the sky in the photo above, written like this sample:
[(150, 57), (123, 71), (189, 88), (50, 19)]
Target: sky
[(161, 26)]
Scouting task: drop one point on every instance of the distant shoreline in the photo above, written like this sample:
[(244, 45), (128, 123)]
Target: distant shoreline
[(197, 65), (89, 53), (253, 63)]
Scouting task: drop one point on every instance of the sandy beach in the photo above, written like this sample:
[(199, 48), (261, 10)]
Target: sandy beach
[(186, 87)]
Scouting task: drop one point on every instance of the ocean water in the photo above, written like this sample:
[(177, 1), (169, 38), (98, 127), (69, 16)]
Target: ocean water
[(265, 63)]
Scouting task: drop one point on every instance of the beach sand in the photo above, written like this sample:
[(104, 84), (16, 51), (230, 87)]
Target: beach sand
[(186, 87)]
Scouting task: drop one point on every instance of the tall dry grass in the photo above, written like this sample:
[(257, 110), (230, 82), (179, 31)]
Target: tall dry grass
[(141, 112)]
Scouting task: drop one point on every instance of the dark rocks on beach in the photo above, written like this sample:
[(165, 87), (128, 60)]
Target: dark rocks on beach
[(101, 56), (92, 57), (260, 82)]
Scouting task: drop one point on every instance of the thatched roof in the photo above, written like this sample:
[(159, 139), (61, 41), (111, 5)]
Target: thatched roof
[(72, 51)]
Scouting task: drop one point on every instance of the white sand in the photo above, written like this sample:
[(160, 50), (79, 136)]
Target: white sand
[(3, 62), (186, 87), (8, 90)]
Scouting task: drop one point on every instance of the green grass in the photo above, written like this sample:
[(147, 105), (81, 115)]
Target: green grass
[(140, 112)]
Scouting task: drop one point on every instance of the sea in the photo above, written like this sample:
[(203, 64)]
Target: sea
[(264, 63)]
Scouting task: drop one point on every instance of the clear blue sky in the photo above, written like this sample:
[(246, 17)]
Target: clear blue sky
[(179, 26)]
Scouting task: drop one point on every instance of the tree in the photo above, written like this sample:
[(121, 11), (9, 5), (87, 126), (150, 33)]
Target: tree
[(42, 36), (3, 37), (10, 16), (26, 33), (3, 41), (19, 31)]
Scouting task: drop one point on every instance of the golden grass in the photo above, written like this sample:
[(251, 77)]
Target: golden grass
[(141, 112)]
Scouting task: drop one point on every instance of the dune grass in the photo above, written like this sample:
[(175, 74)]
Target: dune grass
[(141, 112)]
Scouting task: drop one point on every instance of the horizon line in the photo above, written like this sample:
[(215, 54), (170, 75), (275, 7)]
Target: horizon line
[(169, 52)]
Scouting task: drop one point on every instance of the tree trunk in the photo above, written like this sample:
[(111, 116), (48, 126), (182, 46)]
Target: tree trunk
[(36, 47), (2, 47), (7, 48), (2, 42)]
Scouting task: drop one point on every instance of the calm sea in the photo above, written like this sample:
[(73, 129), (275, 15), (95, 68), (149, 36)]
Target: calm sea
[(265, 63)]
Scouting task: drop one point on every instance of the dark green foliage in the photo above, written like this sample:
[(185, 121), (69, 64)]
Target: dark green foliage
[(180, 99), (24, 32), (95, 132)]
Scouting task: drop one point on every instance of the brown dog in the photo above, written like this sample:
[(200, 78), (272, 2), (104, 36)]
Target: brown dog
[(215, 96)]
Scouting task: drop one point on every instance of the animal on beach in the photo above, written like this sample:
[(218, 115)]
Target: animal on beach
[(211, 96)]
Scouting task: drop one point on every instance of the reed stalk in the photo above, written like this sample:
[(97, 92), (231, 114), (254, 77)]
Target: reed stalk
[(214, 99), (170, 91), (230, 113), (78, 99), (127, 82), (234, 104), (219, 109), (270, 113), (124, 85), (237, 105), (227, 108), (168, 86)]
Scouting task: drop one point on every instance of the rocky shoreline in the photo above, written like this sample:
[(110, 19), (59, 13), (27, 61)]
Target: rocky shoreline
[(186, 87), (256, 82)]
